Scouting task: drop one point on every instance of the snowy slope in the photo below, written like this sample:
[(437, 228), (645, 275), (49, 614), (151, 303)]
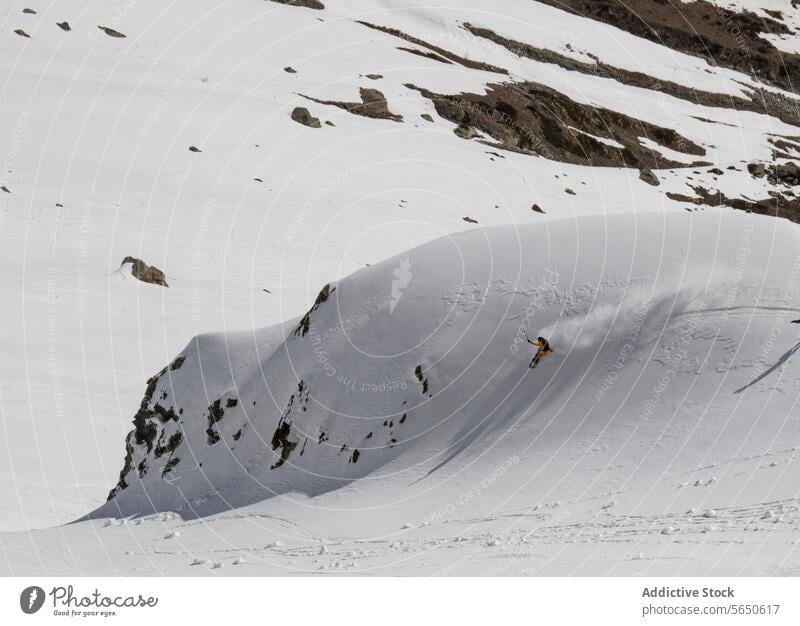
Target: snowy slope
[(95, 145), (659, 437)]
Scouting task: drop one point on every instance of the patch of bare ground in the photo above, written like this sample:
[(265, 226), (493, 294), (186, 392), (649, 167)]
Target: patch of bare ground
[(535, 119), (373, 104), (785, 109), (721, 36)]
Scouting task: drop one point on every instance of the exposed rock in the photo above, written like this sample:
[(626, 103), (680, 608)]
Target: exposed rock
[(305, 323), (169, 465), (465, 132), (722, 36), (111, 32), (761, 100), (777, 205), (302, 116), (4, 188), (215, 414), (29, 11), (64, 26), (469, 220), (426, 55), (569, 191), (373, 105), (786, 173), (537, 209), (280, 439), (22, 33), (421, 378), (427, 117), (374, 76), (535, 119), (785, 147), (779, 174), (308, 4), (171, 445), (646, 174), (441, 53), (289, 70), (144, 272), (194, 149)]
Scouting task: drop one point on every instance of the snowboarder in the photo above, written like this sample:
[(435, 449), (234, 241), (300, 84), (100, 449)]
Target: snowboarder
[(543, 348)]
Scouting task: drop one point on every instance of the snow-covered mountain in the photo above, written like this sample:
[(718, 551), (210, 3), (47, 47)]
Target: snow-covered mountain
[(239, 156)]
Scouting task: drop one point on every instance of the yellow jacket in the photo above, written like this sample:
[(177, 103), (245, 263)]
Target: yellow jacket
[(545, 347)]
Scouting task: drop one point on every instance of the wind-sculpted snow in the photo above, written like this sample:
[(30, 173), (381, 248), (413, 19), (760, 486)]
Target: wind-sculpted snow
[(373, 392)]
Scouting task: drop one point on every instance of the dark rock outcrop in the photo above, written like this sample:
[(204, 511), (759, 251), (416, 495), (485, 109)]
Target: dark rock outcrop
[(111, 32), (302, 116), (535, 119), (647, 175), (308, 4), (373, 104), (305, 324), (722, 36)]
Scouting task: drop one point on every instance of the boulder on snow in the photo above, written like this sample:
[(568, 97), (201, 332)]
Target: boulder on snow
[(308, 4), (781, 173), (302, 116), (111, 32), (647, 175), (64, 26), (374, 104), (144, 272)]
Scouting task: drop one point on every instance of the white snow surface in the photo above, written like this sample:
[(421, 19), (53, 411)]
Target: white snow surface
[(500, 470), (671, 392)]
